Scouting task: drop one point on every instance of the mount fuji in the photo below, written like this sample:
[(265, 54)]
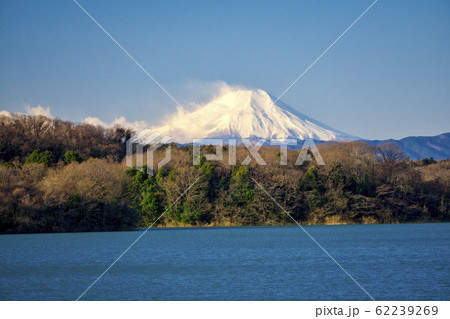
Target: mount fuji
[(241, 113)]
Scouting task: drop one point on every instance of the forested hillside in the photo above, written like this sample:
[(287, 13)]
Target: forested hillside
[(59, 176), (20, 135)]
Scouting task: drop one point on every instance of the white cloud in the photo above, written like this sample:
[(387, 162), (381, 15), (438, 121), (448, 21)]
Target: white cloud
[(203, 92), (136, 125), (120, 121), (38, 110), (94, 121), (5, 113)]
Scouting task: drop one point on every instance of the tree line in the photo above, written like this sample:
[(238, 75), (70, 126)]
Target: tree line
[(20, 135), (53, 181)]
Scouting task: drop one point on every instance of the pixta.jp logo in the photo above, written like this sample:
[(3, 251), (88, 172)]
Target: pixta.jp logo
[(309, 148), (151, 141), (154, 140)]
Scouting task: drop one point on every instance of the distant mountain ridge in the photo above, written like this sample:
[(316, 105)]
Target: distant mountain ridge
[(419, 147)]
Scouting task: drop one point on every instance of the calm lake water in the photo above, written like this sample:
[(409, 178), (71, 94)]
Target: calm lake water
[(392, 262)]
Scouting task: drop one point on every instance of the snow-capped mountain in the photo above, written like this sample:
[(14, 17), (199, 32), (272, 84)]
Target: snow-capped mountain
[(244, 113)]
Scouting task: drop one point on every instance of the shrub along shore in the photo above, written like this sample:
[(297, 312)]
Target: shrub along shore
[(58, 176)]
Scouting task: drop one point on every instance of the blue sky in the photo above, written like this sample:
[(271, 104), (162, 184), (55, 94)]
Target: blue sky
[(388, 77)]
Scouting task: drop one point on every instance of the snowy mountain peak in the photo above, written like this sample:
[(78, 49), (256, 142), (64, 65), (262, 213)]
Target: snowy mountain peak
[(247, 114)]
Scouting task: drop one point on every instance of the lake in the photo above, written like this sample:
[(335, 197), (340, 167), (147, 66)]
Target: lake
[(392, 262)]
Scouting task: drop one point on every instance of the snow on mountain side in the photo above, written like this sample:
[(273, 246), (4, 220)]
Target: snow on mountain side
[(247, 114)]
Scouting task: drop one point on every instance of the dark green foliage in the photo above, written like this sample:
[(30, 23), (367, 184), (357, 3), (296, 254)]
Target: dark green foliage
[(71, 156), (74, 201), (242, 187), (208, 171), (147, 194), (310, 180), (7, 164), (41, 157), (428, 161), (336, 174), (150, 204), (224, 182)]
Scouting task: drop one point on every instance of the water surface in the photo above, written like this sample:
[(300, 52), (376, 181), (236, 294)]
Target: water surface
[(392, 262)]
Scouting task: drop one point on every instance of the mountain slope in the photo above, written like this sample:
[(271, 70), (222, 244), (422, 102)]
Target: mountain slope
[(418, 147), (247, 114)]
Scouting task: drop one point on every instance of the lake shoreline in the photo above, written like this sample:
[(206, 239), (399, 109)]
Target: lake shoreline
[(219, 225), (226, 225)]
